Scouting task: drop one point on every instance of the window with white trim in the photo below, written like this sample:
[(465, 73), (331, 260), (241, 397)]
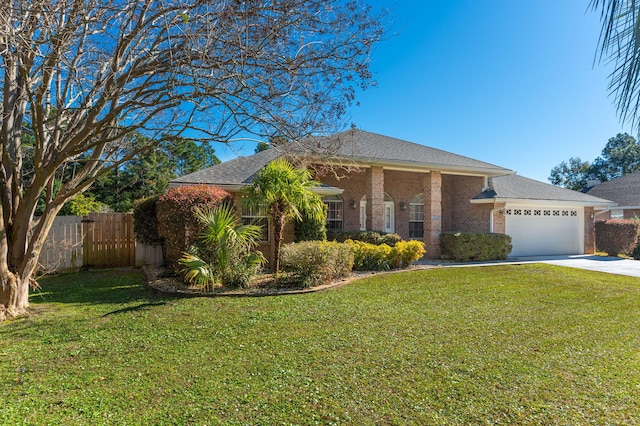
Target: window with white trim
[(256, 215), (617, 214), (334, 212), (416, 217)]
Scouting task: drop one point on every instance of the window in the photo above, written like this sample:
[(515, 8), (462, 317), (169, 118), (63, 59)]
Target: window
[(257, 215), (334, 212), (416, 217), (617, 214)]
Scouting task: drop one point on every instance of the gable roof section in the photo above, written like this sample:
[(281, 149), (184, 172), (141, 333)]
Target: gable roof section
[(517, 188), (625, 190), (373, 148), (230, 174)]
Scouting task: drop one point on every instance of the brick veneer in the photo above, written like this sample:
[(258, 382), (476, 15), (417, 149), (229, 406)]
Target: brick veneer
[(375, 198), (589, 231), (432, 213)]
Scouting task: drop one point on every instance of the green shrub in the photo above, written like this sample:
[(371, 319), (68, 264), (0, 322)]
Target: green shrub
[(369, 257), (371, 237), (404, 253), (224, 252), (315, 263), (310, 229), (82, 205), (615, 236), (177, 221), (470, 247), (145, 221)]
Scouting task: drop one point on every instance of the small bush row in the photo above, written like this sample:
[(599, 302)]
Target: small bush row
[(317, 262), (474, 247), (371, 257), (617, 236), (371, 237)]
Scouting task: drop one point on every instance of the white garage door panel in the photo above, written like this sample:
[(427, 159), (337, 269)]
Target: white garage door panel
[(544, 231)]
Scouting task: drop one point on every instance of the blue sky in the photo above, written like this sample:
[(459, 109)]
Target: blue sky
[(510, 82)]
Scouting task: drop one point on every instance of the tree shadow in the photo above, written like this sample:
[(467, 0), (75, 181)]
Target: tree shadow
[(113, 286)]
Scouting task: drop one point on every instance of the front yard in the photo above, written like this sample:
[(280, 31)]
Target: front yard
[(533, 344)]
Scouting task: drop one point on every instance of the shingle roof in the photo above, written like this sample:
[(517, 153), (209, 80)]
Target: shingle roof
[(521, 188), (625, 190), (238, 171), (370, 148)]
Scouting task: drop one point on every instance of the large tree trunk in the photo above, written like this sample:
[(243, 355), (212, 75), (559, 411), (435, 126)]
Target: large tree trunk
[(14, 295)]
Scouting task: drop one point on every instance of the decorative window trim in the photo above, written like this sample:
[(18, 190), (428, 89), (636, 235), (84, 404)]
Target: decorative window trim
[(257, 215), (416, 216), (334, 204)]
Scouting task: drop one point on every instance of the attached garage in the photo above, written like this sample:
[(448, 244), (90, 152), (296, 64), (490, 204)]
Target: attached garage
[(545, 230), (541, 219)]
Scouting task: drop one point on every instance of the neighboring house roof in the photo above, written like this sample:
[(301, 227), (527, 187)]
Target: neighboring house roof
[(513, 187), (372, 148), (625, 190)]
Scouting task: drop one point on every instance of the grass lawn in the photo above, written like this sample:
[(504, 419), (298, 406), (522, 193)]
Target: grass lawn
[(533, 344)]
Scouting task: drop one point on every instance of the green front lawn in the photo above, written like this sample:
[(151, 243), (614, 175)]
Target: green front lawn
[(533, 344)]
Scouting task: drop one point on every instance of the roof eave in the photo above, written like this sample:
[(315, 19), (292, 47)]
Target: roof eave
[(540, 201), (416, 166)]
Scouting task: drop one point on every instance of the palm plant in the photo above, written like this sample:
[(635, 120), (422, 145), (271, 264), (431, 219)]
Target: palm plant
[(286, 192), (224, 252), (620, 45)]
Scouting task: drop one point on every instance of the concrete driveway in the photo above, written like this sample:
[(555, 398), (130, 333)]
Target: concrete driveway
[(610, 265)]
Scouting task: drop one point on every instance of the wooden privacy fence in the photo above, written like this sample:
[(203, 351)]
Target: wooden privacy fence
[(109, 241), (99, 240)]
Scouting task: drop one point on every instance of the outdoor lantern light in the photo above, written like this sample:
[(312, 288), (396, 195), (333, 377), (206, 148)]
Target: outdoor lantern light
[(403, 205), (353, 203)]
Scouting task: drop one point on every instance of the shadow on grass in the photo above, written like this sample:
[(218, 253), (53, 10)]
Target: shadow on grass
[(136, 308), (97, 286)]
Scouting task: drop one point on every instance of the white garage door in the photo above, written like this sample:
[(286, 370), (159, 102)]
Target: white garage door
[(536, 230)]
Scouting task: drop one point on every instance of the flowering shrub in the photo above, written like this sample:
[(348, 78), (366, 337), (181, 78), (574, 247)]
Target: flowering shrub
[(177, 221), (616, 236), (404, 253), (369, 257), (317, 262), (470, 246)]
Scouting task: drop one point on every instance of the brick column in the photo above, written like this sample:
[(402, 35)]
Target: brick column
[(432, 213), (375, 199), (589, 231)]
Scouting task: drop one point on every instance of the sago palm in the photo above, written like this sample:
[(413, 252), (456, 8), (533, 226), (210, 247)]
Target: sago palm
[(286, 192), (224, 252)]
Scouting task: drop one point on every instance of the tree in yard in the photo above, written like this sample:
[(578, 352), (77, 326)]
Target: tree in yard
[(87, 76), (620, 156), (287, 193), (571, 175)]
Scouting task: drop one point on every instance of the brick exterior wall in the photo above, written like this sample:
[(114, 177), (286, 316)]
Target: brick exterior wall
[(499, 219), (432, 213), (375, 198), (589, 231), (460, 214)]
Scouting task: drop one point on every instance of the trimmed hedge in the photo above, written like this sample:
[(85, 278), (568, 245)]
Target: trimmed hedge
[(469, 246), (616, 236), (371, 257), (371, 237), (177, 222), (315, 263)]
